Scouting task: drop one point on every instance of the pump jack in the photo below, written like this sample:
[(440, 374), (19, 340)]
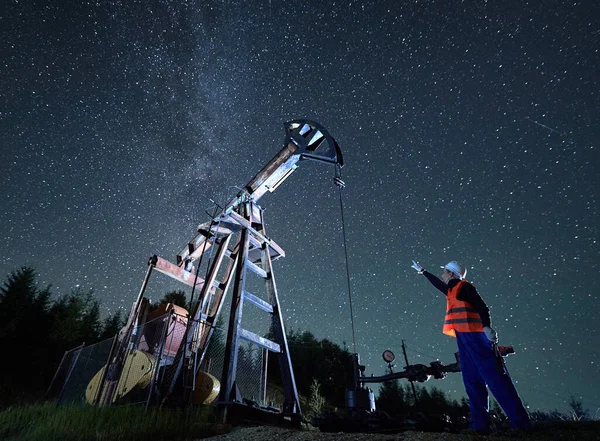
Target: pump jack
[(239, 245)]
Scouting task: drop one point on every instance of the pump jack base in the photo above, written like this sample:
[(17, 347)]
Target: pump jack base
[(252, 413)]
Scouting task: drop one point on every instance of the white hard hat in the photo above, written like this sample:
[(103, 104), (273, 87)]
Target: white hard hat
[(456, 268)]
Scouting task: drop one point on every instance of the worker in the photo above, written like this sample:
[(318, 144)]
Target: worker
[(468, 319)]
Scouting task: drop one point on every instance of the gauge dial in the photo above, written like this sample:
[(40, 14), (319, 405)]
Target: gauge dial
[(388, 356)]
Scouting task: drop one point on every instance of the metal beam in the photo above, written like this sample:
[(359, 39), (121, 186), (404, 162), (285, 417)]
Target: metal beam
[(235, 319), (291, 403), (247, 224), (265, 306), (177, 273), (257, 270), (260, 341)]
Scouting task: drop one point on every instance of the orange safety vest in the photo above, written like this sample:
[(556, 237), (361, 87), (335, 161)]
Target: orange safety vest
[(460, 316)]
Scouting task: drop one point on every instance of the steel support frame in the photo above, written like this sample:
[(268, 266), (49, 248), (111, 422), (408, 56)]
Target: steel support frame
[(291, 401), (120, 347), (253, 228), (235, 321), (200, 327)]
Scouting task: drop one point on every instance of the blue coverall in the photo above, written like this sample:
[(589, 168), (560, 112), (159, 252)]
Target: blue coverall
[(479, 368)]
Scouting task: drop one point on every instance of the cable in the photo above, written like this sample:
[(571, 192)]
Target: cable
[(204, 249), (201, 300), (423, 354), (420, 349), (338, 181)]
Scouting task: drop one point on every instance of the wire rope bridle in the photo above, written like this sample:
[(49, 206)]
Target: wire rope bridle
[(341, 185), (200, 300)]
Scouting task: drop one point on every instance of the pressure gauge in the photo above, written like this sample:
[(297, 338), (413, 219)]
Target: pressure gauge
[(388, 356)]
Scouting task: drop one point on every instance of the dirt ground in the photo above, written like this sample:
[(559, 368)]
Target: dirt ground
[(589, 432), (275, 433)]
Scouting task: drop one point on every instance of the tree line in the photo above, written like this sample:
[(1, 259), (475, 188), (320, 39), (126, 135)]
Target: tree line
[(36, 328)]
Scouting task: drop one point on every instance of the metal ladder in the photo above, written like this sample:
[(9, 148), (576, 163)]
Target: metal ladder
[(255, 255), (251, 256)]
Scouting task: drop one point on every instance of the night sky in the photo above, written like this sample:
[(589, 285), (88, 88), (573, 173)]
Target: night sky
[(469, 131)]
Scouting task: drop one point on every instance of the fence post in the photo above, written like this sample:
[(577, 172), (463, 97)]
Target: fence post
[(73, 363), (100, 389), (263, 375), (160, 353), (60, 365)]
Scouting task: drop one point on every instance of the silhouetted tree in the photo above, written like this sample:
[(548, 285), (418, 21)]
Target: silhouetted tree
[(439, 403), (76, 319), (22, 307), (24, 326), (316, 402), (111, 325), (392, 398), (320, 360), (35, 332), (578, 413), (177, 297)]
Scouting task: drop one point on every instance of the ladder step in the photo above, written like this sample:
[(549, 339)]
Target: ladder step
[(265, 306), (256, 269), (255, 242), (260, 341)]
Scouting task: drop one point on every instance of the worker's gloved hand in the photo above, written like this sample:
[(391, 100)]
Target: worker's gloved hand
[(418, 267), (490, 334)]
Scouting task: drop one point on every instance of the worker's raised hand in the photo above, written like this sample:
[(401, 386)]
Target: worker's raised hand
[(490, 334), (418, 267)]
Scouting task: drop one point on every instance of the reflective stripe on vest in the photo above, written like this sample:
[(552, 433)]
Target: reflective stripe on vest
[(460, 316)]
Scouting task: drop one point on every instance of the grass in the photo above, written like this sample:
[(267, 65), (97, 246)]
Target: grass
[(43, 422)]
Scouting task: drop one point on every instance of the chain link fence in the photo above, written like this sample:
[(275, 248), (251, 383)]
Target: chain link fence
[(149, 364), (83, 363), (63, 373)]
